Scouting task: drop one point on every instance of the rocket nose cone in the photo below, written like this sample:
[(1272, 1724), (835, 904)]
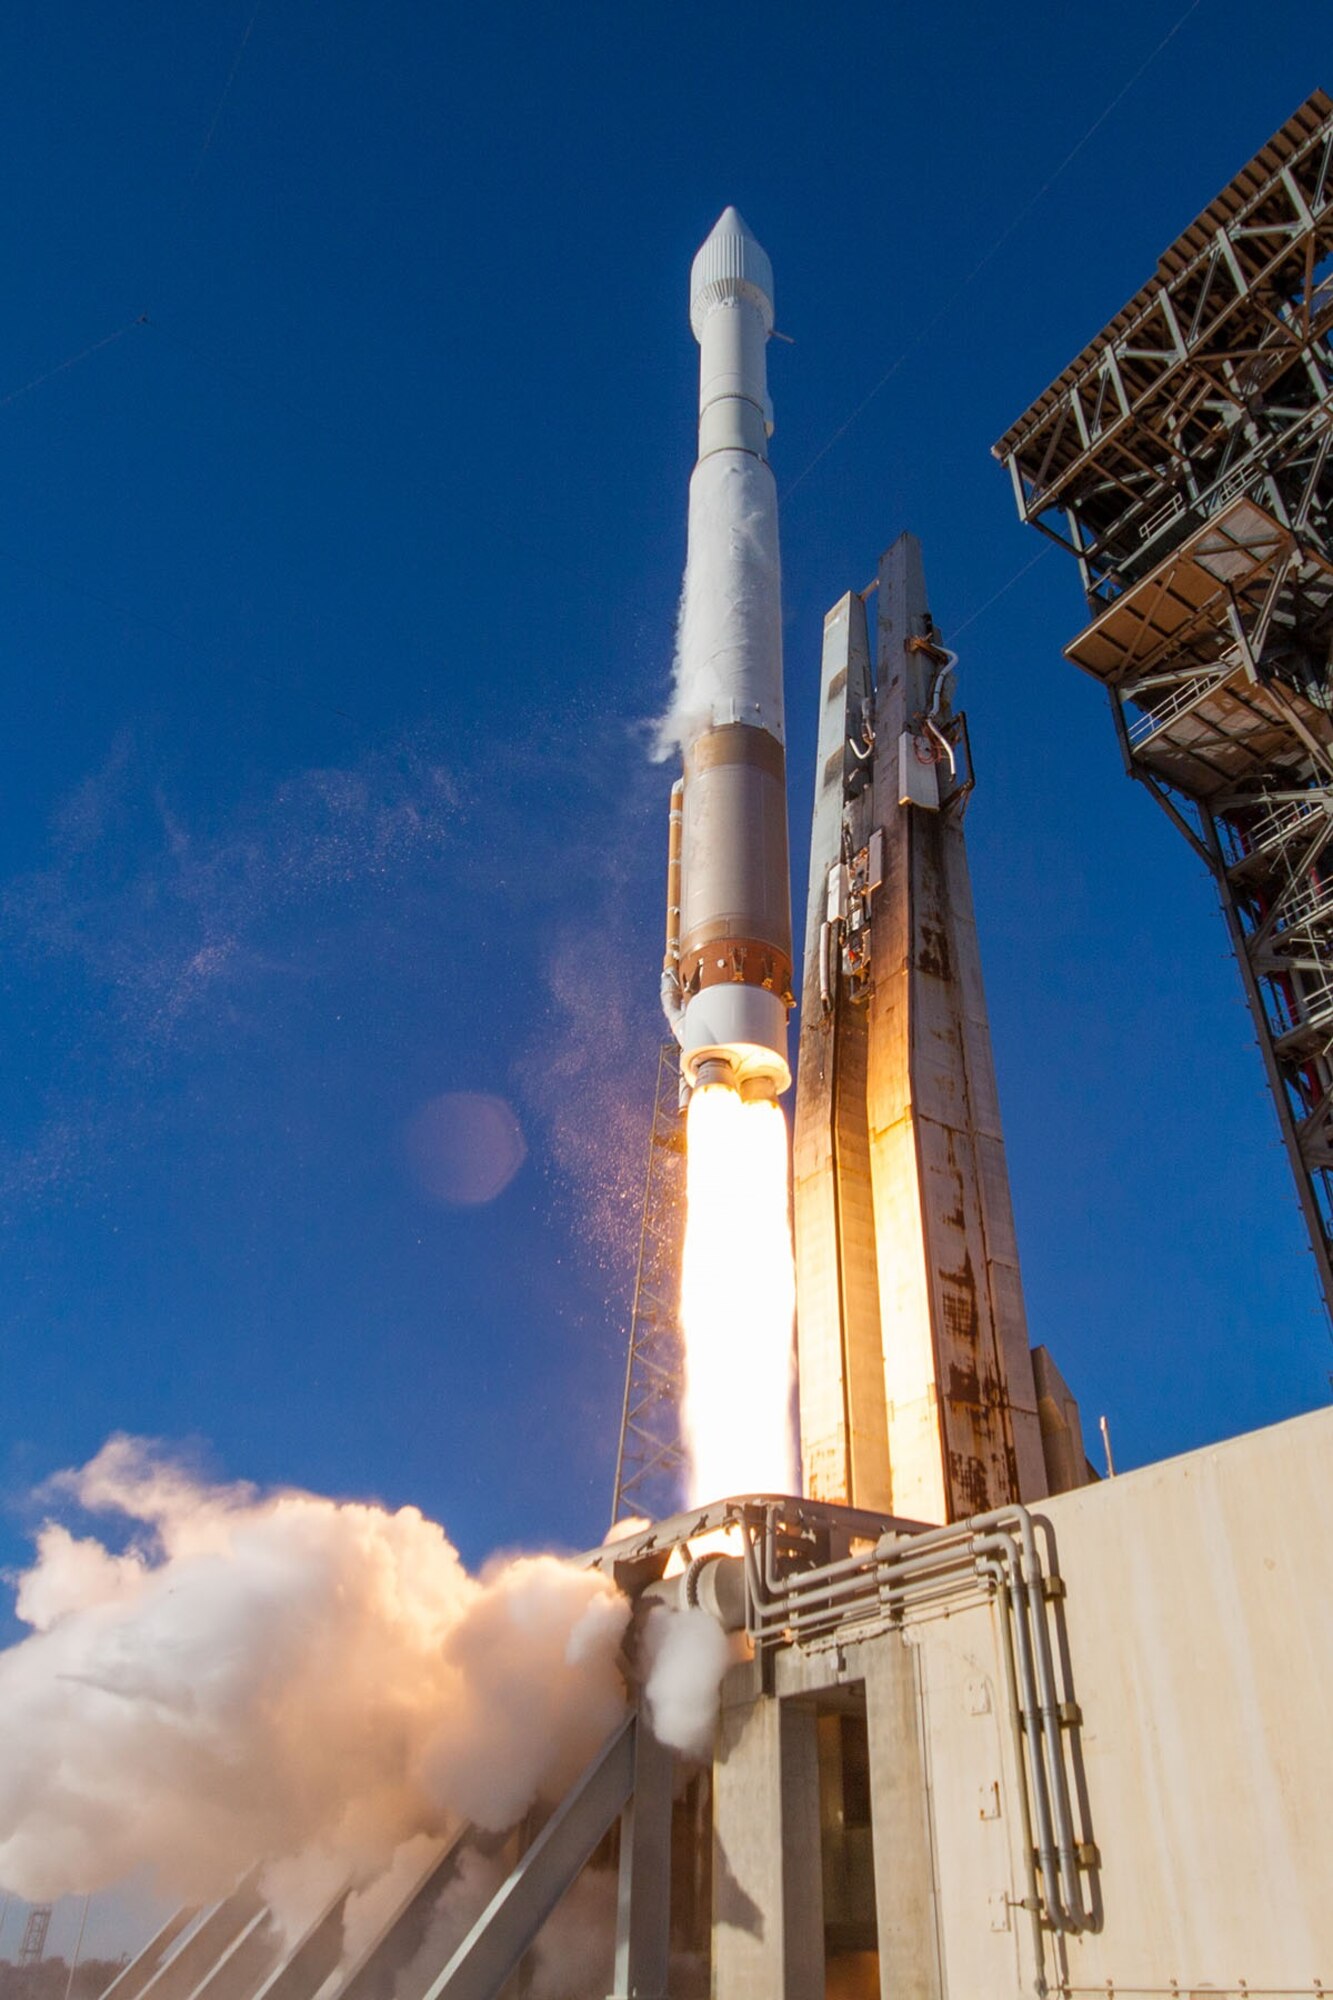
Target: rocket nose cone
[(731, 223), (730, 263)]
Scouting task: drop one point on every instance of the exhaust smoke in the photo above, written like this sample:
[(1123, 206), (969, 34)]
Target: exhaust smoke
[(280, 1677)]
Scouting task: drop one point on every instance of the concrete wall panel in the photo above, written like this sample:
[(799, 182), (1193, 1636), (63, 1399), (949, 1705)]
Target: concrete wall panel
[(1199, 1626)]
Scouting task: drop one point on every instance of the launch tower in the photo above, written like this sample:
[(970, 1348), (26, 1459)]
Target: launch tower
[(650, 1456), (918, 1394), (1185, 460)]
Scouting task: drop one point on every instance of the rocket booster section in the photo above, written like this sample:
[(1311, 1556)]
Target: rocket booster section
[(727, 985)]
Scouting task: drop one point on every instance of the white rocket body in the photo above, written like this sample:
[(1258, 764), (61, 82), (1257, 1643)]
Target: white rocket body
[(728, 982)]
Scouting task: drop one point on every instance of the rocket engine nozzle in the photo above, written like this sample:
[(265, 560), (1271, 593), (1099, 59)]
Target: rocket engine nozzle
[(751, 1072)]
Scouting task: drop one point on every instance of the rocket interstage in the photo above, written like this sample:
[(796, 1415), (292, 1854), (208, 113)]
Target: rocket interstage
[(727, 984)]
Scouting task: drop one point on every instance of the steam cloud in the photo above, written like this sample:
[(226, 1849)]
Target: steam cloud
[(690, 1654), (280, 1676), (729, 632)]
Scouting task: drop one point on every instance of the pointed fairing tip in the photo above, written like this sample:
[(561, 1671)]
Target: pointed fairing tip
[(731, 263), (732, 223)]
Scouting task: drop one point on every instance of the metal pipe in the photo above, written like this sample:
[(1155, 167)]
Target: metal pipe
[(671, 959), (78, 1947), (937, 685), (1035, 1581), (1034, 1578), (1047, 1837), (672, 1003), (777, 1585), (1106, 1446), (826, 1617), (810, 1602), (923, 1570), (1032, 1901), (946, 747)]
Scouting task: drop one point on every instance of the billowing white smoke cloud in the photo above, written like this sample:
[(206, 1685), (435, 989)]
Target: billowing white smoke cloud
[(283, 1677), (689, 1654)]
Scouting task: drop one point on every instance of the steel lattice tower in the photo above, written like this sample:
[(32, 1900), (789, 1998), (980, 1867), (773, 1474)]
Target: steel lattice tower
[(33, 1948), (650, 1455), (1185, 458)]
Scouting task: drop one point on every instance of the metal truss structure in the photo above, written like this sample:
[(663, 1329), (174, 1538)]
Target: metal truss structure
[(33, 1948), (1185, 459), (650, 1455)]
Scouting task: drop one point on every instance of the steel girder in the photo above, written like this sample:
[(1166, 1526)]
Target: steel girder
[(1214, 379)]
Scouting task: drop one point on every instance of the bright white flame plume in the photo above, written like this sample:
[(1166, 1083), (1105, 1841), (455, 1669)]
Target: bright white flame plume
[(737, 1299)]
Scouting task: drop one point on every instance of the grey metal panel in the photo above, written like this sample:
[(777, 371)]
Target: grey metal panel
[(219, 1929), (246, 1963), (303, 1970), (643, 1903), (130, 1982), (511, 1920), (909, 1963), (372, 1973), (768, 1894)]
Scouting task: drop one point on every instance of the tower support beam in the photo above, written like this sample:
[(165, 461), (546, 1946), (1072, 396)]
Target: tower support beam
[(768, 1898), (909, 1964)]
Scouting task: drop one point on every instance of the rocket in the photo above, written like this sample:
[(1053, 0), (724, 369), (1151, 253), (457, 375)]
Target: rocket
[(726, 982)]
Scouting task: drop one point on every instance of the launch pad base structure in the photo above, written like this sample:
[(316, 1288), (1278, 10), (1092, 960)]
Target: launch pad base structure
[(1075, 1749)]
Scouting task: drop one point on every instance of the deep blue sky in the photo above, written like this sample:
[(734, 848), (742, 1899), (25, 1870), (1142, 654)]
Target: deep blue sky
[(333, 600)]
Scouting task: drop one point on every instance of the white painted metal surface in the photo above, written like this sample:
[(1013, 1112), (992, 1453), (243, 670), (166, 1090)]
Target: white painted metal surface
[(733, 979), (1197, 1613)]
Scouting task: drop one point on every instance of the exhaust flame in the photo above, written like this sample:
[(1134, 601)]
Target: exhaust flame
[(738, 1295)]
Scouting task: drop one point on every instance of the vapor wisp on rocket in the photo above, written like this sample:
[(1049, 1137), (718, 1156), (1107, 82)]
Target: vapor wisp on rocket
[(726, 984)]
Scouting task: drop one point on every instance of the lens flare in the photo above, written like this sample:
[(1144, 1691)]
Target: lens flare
[(737, 1297)]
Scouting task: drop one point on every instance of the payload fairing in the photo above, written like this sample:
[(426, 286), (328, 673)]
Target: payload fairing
[(727, 981)]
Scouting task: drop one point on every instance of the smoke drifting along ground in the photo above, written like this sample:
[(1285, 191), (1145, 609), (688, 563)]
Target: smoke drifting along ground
[(738, 1295), (284, 1677)]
